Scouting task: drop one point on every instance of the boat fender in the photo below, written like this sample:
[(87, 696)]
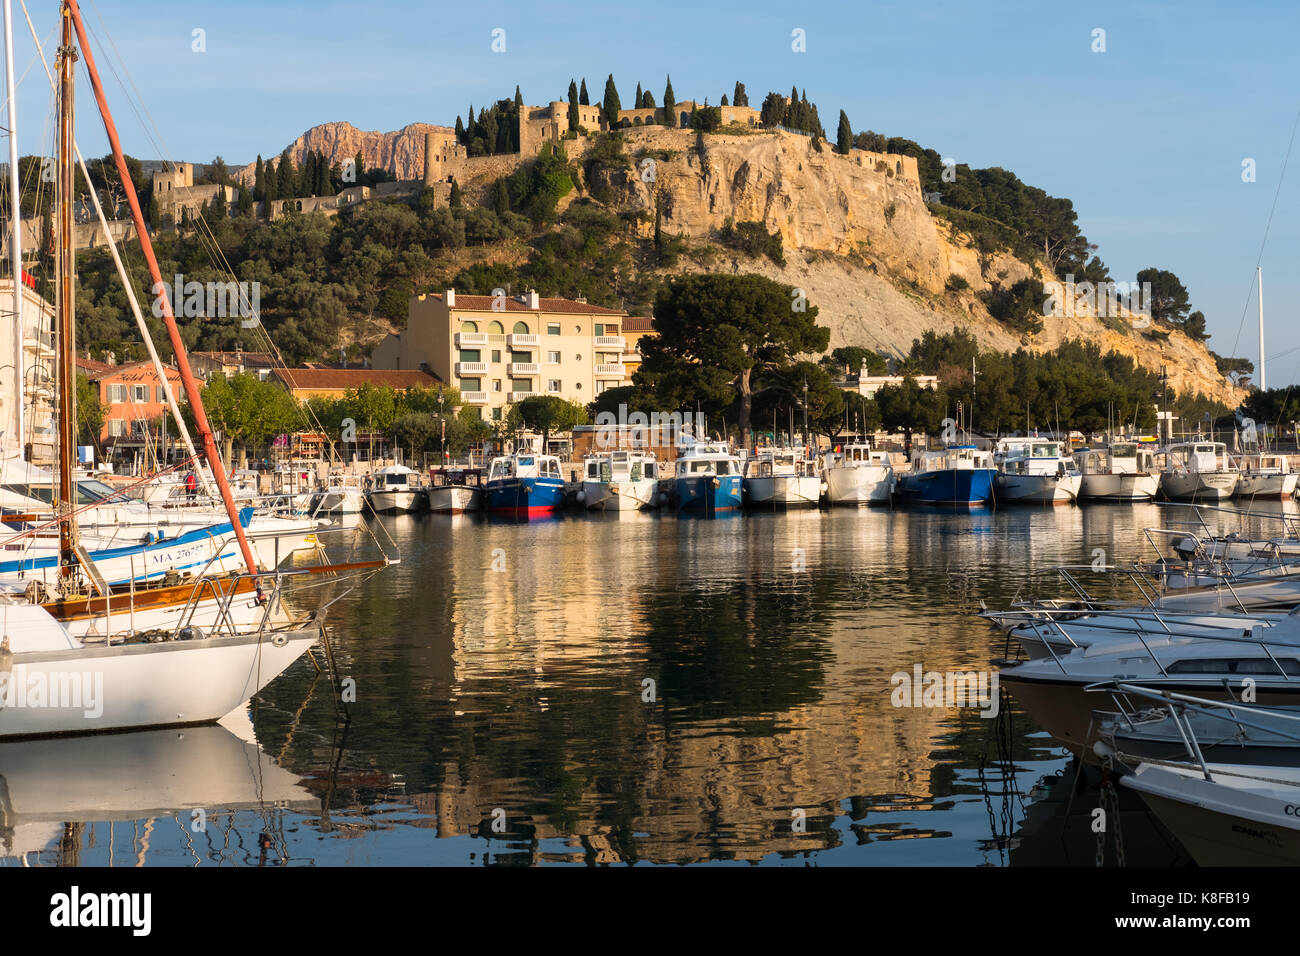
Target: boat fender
[(280, 640), (581, 496), (190, 633)]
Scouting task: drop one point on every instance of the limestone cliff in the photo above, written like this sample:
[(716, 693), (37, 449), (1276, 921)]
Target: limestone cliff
[(401, 151)]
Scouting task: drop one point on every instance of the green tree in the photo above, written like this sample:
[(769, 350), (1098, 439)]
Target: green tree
[(717, 332), (550, 413), (247, 411), (670, 103), (1169, 299), (583, 99), (286, 179), (855, 358), (90, 414), (415, 432), (611, 104), (573, 107), (909, 408), (740, 98), (844, 141)]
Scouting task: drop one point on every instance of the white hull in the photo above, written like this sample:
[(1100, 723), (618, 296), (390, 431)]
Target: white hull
[(1267, 486), (393, 502), (1119, 487), (623, 495), (868, 484), (345, 501), (146, 685), (1199, 486), (1038, 489), (454, 499), (788, 491)]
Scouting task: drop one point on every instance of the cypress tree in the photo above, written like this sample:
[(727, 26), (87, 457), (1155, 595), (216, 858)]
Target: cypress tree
[(740, 98), (583, 100), (844, 141), (360, 165), (460, 131), (611, 103), (269, 193), (636, 103), (259, 188), (519, 99), (647, 101), (454, 201), (670, 101), (724, 99), (500, 197), (285, 178), (573, 106), (245, 202)]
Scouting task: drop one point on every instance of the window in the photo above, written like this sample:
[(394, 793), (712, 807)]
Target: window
[(116, 394), (496, 385), (116, 427), (521, 328), (469, 327), (521, 385), (553, 358), (600, 329), (552, 384), (496, 355), (521, 356), (552, 328), (159, 395), (496, 328), (471, 355), (139, 393), (496, 414), (601, 386), (611, 330), (471, 384)]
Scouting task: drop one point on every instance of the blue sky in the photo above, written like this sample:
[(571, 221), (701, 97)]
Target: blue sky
[(1147, 138)]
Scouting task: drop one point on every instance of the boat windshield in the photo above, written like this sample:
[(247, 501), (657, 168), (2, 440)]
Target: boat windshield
[(88, 492), (394, 480)]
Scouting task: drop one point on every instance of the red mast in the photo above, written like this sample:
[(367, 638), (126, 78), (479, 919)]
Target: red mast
[(71, 9)]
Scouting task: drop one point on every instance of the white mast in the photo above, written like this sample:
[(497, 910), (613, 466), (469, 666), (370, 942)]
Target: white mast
[(15, 227), (1259, 278)]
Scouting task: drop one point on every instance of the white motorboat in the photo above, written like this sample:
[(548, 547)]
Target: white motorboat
[(396, 490), (343, 494), (859, 475), (1120, 471), (1198, 471), (453, 491), (782, 478), (619, 480), (1034, 471), (1265, 475)]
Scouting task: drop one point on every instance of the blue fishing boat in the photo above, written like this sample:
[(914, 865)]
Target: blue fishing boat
[(525, 484), (957, 475), (707, 479)]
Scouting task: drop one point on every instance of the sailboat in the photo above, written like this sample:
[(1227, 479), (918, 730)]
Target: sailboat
[(52, 682)]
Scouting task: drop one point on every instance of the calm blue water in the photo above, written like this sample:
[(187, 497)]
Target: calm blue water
[(616, 689)]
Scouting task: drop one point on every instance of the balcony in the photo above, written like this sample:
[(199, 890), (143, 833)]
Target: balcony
[(471, 368), (474, 398), (616, 370), (611, 342), (471, 340), (522, 368), (513, 397), (520, 341)]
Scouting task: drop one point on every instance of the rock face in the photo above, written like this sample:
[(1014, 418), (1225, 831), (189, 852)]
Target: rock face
[(401, 151)]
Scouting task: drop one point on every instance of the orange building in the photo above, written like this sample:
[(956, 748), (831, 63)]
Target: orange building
[(131, 396)]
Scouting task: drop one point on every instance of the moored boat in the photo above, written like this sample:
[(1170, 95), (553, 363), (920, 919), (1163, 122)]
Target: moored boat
[(859, 475), (782, 478), (396, 490), (619, 481), (1198, 471), (524, 484), (1119, 471), (1034, 471), (453, 491), (707, 479), (1265, 475), (955, 475)]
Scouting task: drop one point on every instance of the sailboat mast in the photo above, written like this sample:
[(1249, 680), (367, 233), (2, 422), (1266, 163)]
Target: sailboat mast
[(15, 228), (73, 12), (66, 311), (1259, 279)]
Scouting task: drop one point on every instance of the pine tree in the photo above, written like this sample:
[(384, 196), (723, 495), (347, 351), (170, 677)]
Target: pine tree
[(844, 141), (573, 106), (670, 101), (740, 98), (611, 103), (583, 100)]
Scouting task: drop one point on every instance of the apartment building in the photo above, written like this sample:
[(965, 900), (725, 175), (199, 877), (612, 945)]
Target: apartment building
[(499, 350)]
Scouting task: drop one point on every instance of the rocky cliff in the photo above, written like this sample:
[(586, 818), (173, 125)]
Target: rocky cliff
[(401, 151)]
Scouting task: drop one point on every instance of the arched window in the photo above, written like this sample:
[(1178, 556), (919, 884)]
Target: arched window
[(495, 328), (469, 327), (521, 328)]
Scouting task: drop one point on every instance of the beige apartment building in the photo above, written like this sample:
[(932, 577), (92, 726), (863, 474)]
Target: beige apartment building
[(499, 350)]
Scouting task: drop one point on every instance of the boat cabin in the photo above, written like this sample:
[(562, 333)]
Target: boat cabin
[(1201, 458)]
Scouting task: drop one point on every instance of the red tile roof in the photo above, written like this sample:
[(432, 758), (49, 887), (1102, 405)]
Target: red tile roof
[(483, 303), (93, 367), (340, 378)]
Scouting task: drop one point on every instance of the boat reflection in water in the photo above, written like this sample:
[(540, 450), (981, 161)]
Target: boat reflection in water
[(56, 795)]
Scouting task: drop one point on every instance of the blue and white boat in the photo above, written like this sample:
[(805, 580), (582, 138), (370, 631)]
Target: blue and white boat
[(957, 475), (707, 479), (525, 484)]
